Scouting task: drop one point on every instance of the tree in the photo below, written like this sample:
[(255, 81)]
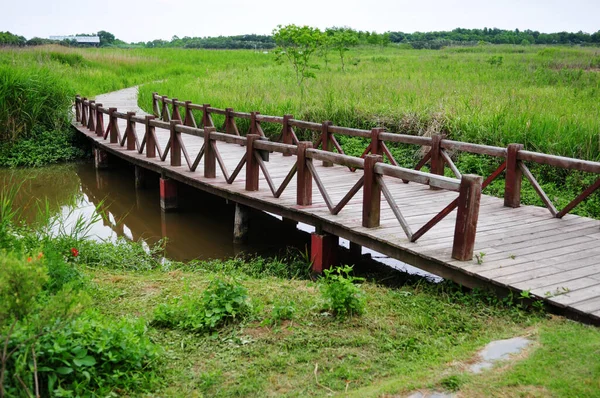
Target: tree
[(106, 38), (298, 44), (341, 41)]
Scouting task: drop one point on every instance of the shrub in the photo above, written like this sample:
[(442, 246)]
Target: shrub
[(343, 297), (282, 310), (21, 280), (221, 303)]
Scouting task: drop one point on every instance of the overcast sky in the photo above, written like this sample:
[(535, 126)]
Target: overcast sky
[(144, 20)]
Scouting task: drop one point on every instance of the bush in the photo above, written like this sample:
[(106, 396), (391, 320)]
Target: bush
[(88, 356), (221, 303), (21, 280), (40, 148), (343, 297)]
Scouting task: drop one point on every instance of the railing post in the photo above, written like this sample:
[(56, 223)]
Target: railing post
[(78, 108), (253, 123), (371, 211), (210, 159), (188, 119), (99, 121), (112, 119), (229, 122), (175, 144), (83, 112), (175, 114), (130, 131), (514, 176), (91, 125), (155, 108), (150, 143), (252, 166), (437, 161), (303, 176), (165, 115), (325, 140), (466, 217), (286, 132), (376, 148), (206, 119)]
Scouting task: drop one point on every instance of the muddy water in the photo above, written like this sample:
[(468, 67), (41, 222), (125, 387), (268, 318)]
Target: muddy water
[(201, 228)]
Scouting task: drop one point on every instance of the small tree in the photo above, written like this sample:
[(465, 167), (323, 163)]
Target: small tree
[(298, 44), (342, 40)]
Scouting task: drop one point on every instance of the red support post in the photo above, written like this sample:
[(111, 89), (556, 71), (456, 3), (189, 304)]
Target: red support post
[(99, 121), (252, 167), (175, 145), (323, 251), (514, 177), (466, 217), (210, 158), (326, 140), (168, 194), (371, 211), (130, 132), (303, 176), (150, 143), (112, 119)]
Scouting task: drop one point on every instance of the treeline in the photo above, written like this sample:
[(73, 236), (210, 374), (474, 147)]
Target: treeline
[(257, 42), (107, 39)]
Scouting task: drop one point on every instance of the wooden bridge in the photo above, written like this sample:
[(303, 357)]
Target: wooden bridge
[(439, 224)]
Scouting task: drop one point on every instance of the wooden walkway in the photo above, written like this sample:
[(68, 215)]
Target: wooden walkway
[(525, 248)]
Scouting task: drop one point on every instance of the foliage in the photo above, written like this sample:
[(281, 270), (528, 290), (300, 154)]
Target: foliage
[(21, 281), (282, 311), (41, 148), (344, 298), (342, 39), (221, 303), (297, 44)]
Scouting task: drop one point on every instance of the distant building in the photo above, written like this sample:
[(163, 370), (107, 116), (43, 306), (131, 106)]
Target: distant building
[(91, 40)]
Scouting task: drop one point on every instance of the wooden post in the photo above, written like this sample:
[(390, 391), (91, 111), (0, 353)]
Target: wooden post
[(253, 123), (165, 115), (230, 122), (175, 114), (188, 119), (206, 119), (303, 176), (210, 158), (323, 251), (150, 143), (155, 108), (175, 145), (99, 121), (376, 148), (100, 159), (466, 217), (130, 132), (112, 119), (355, 250), (240, 223), (514, 176), (91, 125), (83, 112), (325, 141), (252, 167), (437, 161), (168, 194), (141, 175), (371, 193), (78, 108), (286, 132)]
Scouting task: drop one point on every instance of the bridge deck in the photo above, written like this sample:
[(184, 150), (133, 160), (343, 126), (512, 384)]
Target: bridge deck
[(525, 248)]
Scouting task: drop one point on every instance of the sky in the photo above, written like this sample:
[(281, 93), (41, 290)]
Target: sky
[(145, 20)]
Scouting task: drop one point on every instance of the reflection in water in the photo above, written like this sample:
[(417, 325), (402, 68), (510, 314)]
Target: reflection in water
[(201, 228)]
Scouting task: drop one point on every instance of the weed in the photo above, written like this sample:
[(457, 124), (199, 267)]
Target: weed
[(282, 310), (344, 298), (479, 257)]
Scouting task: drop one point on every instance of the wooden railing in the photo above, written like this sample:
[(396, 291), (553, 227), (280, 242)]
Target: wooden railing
[(371, 162)]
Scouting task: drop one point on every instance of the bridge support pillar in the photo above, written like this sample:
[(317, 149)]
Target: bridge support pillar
[(240, 223), (100, 158), (355, 250), (168, 194), (289, 223), (323, 251), (141, 176)]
